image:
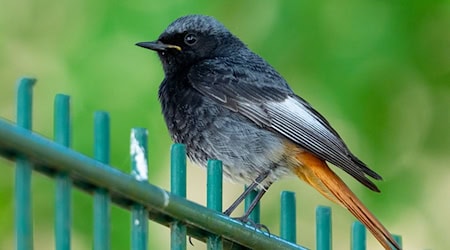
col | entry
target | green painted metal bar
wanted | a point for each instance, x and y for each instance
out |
(25, 102)
(178, 187)
(139, 170)
(358, 241)
(63, 182)
(163, 207)
(214, 198)
(23, 216)
(178, 170)
(101, 195)
(255, 216)
(62, 120)
(288, 221)
(397, 239)
(323, 228)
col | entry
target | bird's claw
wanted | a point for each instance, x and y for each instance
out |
(258, 226)
(190, 240)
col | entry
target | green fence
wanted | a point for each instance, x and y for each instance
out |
(107, 185)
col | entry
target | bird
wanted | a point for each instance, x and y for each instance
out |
(225, 102)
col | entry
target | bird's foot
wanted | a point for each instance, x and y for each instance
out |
(258, 226)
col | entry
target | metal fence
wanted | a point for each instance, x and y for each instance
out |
(107, 185)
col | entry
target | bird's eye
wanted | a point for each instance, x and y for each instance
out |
(190, 39)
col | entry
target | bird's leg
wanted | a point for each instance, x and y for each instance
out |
(252, 186)
(252, 206)
(240, 199)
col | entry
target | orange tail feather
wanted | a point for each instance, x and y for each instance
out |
(317, 173)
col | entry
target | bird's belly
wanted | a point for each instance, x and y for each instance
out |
(245, 149)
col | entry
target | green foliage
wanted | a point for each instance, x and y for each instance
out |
(378, 70)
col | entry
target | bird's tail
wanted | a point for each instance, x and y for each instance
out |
(317, 173)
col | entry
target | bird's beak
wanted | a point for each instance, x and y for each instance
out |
(158, 46)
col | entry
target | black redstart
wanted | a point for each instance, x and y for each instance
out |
(225, 102)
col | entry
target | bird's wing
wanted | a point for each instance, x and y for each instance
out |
(264, 98)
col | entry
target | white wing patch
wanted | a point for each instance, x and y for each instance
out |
(294, 117)
(293, 108)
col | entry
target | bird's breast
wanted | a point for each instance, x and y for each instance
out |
(211, 131)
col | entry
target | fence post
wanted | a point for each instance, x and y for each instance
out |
(255, 215)
(178, 187)
(288, 217)
(323, 228)
(139, 162)
(358, 236)
(101, 195)
(214, 198)
(398, 239)
(63, 181)
(23, 218)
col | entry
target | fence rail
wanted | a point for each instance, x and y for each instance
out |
(33, 152)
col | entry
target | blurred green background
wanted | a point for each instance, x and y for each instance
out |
(378, 70)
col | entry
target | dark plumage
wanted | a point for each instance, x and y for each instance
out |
(219, 76)
(225, 102)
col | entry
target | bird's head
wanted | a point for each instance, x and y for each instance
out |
(190, 39)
